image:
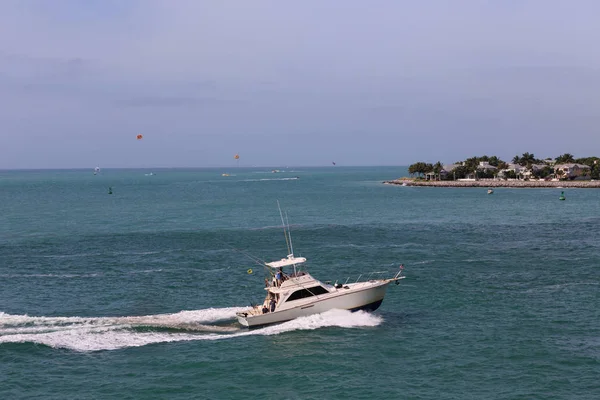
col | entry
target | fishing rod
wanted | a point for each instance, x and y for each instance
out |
(255, 259)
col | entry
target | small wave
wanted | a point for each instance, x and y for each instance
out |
(49, 275)
(369, 246)
(60, 256)
(116, 253)
(423, 262)
(95, 334)
(476, 260)
(136, 253)
(560, 286)
(268, 227)
(146, 271)
(271, 179)
(215, 270)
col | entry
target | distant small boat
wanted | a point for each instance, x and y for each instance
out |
(275, 171)
(562, 196)
(110, 190)
(96, 170)
(490, 191)
(224, 174)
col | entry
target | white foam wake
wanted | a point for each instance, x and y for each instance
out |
(93, 334)
(271, 179)
(184, 319)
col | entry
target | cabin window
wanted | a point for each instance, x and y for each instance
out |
(304, 293)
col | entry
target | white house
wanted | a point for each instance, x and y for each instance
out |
(443, 174)
(516, 168)
(572, 171)
(527, 173)
(485, 166)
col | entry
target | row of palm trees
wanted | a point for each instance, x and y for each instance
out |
(527, 159)
(421, 168)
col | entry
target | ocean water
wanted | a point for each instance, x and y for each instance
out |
(132, 295)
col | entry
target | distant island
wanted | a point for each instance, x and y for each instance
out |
(523, 171)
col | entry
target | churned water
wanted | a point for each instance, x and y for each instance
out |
(132, 295)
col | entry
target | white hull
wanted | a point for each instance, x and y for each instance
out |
(368, 295)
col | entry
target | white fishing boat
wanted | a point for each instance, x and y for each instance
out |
(296, 293)
(490, 191)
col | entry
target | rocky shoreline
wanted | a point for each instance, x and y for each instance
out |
(498, 183)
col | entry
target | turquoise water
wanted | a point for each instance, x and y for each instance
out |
(132, 295)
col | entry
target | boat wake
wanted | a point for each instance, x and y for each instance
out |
(271, 179)
(112, 333)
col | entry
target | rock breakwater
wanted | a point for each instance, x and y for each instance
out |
(497, 183)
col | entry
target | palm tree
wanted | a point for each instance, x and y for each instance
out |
(437, 168)
(528, 158)
(412, 169)
(419, 168)
(565, 158)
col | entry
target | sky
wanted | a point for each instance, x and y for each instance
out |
(295, 83)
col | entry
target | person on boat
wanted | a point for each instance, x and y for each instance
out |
(266, 282)
(265, 309)
(278, 277)
(272, 304)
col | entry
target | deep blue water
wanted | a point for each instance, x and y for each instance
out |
(132, 295)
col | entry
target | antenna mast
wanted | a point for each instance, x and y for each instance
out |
(284, 232)
(289, 232)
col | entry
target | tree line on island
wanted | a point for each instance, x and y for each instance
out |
(538, 168)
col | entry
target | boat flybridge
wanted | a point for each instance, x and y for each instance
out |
(295, 293)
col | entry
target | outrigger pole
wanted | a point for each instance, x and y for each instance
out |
(287, 242)
(288, 234)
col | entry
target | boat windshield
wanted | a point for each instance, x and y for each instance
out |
(309, 292)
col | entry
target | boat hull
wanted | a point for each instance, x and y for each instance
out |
(364, 296)
(368, 307)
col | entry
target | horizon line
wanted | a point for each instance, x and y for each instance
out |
(205, 167)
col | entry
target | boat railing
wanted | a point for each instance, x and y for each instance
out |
(372, 276)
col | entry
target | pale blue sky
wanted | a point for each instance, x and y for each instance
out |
(296, 83)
